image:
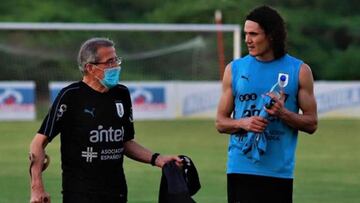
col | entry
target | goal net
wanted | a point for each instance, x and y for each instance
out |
(45, 52)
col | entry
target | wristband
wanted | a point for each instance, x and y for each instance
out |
(153, 158)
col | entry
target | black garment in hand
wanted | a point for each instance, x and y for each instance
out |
(190, 174)
(179, 184)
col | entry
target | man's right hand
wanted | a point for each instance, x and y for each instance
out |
(255, 124)
(39, 196)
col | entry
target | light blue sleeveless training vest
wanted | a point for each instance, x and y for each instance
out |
(251, 79)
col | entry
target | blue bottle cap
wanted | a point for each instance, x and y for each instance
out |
(282, 78)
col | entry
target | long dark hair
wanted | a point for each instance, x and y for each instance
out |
(273, 25)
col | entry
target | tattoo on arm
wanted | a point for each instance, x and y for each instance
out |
(32, 158)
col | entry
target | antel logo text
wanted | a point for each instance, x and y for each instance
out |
(106, 135)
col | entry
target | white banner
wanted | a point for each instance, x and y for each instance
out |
(169, 100)
(338, 99)
(153, 100)
(198, 99)
(17, 100)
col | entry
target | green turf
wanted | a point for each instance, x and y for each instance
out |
(328, 162)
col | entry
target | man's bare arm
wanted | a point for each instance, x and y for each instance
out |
(224, 123)
(37, 157)
(139, 153)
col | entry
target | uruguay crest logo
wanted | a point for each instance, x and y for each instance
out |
(119, 108)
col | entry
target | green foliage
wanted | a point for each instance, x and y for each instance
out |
(324, 33)
(47, 11)
(347, 61)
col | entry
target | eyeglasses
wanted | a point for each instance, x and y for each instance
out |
(111, 62)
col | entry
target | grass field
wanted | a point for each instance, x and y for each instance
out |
(327, 170)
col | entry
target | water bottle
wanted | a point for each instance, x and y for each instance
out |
(255, 143)
(276, 90)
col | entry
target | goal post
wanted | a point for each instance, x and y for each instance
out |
(235, 29)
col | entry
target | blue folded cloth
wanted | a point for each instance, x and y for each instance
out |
(255, 144)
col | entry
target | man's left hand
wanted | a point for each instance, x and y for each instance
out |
(278, 107)
(162, 160)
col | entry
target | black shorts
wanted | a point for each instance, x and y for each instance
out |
(258, 189)
(73, 197)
